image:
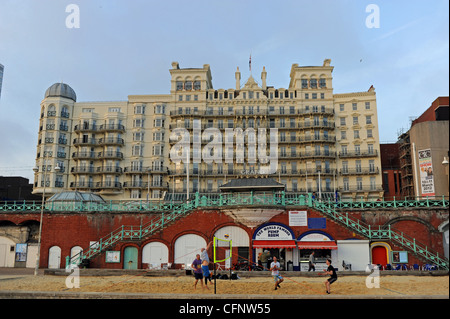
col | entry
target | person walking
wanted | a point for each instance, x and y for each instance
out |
(274, 267)
(264, 259)
(312, 262)
(333, 276)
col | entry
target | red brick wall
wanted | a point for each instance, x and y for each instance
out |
(67, 230)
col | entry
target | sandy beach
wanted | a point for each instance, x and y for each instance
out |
(346, 285)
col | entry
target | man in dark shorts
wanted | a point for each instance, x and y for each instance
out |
(333, 276)
(197, 266)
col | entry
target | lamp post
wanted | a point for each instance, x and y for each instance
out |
(38, 255)
(319, 168)
(445, 163)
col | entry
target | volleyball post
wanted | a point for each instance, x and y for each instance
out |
(220, 243)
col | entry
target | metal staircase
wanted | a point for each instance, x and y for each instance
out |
(334, 210)
(380, 233)
(130, 233)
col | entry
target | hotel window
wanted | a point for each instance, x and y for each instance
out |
(344, 149)
(359, 185)
(322, 95)
(343, 135)
(158, 150)
(367, 105)
(358, 166)
(158, 123)
(346, 184)
(157, 136)
(139, 109)
(159, 109)
(368, 119)
(356, 134)
(354, 106)
(313, 83)
(293, 136)
(136, 150)
(292, 123)
(294, 185)
(322, 83)
(180, 97)
(304, 83)
(306, 96)
(314, 96)
(291, 109)
(138, 136)
(344, 167)
(179, 85)
(138, 123)
(341, 107)
(114, 109)
(355, 120)
(197, 85)
(188, 97)
(342, 121)
(370, 148)
(372, 166)
(282, 122)
(293, 152)
(188, 85)
(357, 149)
(282, 137)
(372, 183)
(369, 133)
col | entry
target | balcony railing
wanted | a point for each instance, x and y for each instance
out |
(366, 153)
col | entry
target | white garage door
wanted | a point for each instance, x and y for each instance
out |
(186, 247)
(238, 236)
(54, 257)
(155, 253)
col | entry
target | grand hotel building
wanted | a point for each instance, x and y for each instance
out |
(327, 142)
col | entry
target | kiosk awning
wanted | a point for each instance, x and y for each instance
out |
(317, 245)
(274, 244)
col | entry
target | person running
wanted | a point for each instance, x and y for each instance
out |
(197, 266)
(333, 276)
(274, 267)
(205, 263)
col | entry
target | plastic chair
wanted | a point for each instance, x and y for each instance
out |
(388, 267)
(415, 267)
(398, 267)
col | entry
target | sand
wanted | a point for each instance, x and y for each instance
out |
(346, 285)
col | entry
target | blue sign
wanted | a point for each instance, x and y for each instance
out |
(317, 223)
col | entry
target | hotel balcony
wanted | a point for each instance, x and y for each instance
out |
(348, 154)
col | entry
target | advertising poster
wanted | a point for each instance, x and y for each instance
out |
(21, 252)
(426, 173)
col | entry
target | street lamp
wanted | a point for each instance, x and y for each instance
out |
(319, 168)
(38, 255)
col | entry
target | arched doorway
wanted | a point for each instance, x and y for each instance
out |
(130, 258)
(380, 253)
(155, 254)
(54, 257)
(186, 247)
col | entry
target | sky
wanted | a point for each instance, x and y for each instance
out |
(126, 47)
